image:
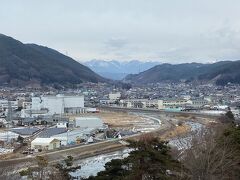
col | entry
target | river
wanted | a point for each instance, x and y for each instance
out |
(91, 166)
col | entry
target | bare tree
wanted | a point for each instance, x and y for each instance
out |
(210, 155)
(9, 175)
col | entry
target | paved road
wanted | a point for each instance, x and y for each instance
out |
(89, 150)
(61, 154)
(82, 151)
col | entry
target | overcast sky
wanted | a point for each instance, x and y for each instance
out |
(161, 30)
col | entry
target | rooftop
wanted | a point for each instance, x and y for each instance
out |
(47, 133)
(25, 131)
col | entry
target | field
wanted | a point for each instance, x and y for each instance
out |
(119, 119)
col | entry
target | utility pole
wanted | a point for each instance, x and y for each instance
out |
(9, 114)
(62, 112)
(9, 117)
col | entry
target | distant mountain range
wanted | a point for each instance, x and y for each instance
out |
(117, 70)
(21, 64)
(25, 63)
(220, 73)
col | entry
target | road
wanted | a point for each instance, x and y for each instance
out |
(83, 151)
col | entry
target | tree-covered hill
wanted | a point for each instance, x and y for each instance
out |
(220, 72)
(21, 63)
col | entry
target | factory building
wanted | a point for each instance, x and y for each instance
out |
(50, 105)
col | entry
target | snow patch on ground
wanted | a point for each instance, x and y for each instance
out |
(185, 142)
(91, 166)
(5, 151)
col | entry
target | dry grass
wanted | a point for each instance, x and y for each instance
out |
(117, 119)
(177, 131)
(10, 156)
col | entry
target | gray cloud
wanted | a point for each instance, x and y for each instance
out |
(116, 43)
(169, 31)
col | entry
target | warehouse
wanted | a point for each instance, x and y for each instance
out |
(88, 122)
(45, 144)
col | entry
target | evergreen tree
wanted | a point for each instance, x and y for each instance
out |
(150, 159)
(230, 115)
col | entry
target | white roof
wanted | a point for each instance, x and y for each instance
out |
(43, 140)
(88, 122)
(8, 135)
(3, 120)
(75, 133)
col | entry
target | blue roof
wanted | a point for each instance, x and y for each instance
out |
(25, 131)
(47, 133)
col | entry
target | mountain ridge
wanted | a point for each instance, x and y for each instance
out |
(220, 72)
(21, 63)
(117, 70)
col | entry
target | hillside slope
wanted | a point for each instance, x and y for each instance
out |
(220, 72)
(21, 63)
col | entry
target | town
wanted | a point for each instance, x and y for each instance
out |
(33, 120)
(120, 90)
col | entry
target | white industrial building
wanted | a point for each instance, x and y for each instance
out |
(8, 136)
(172, 103)
(4, 104)
(50, 105)
(62, 125)
(114, 96)
(164, 104)
(139, 103)
(45, 144)
(198, 103)
(155, 103)
(88, 122)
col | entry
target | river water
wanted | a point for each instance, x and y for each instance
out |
(91, 166)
